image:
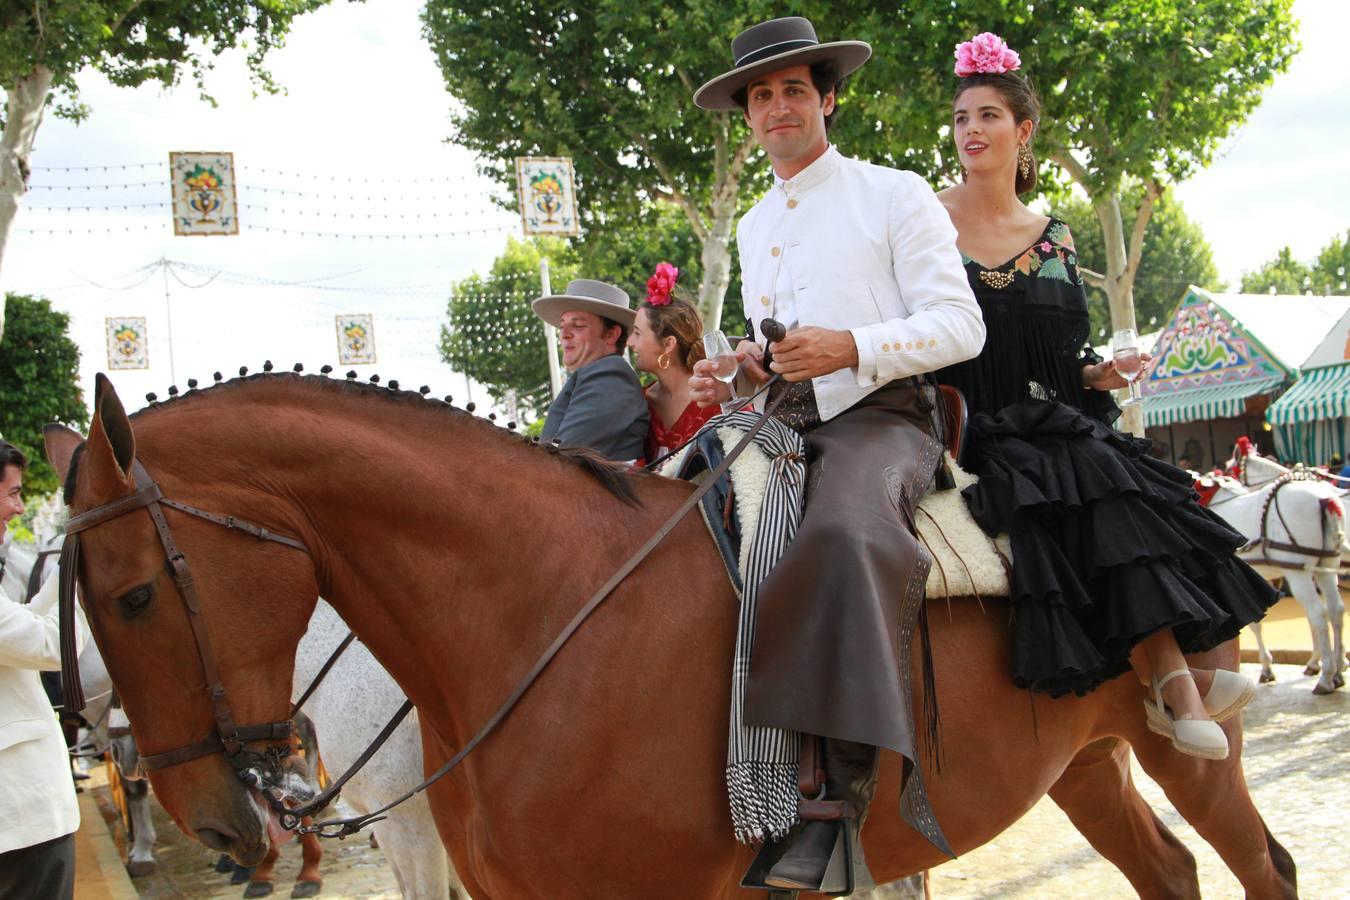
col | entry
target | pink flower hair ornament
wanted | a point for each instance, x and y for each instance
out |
(661, 284)
(986, 54)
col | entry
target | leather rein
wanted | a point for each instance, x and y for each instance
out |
(229, 738)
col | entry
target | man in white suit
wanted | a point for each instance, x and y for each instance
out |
(38, 810)
(859, 262)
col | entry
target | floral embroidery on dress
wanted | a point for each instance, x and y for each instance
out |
(1051, 257)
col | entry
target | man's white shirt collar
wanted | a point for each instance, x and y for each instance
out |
(812, 175)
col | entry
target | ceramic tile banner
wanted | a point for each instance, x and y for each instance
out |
(546, 190)
(203, 193)
(127, 345)
(356, 339)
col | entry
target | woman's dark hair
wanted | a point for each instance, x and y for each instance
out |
(12, 456)
(1021, 98)
(678, 319)
(824, 77)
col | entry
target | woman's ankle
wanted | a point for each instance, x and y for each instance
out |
(1183, 697)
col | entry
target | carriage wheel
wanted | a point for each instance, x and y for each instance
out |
(118, 793)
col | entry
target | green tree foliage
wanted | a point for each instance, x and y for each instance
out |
(132, 42)
(1329, 273)
(1281, 275)
(1178, 256)
(494, 337)
(1138, 89)
(39, 383)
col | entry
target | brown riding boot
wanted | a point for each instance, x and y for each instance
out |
(850, 784)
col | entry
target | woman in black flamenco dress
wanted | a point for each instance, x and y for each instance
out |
(1115, 563)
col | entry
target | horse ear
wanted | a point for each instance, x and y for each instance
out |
(61, 443)
(111, 448)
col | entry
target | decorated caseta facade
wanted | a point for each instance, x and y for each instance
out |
(1222, 360)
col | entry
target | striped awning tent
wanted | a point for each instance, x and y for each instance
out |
(1312, 419)
(1220, 401)
(1319, 394)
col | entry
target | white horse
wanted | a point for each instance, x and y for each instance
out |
(349, 707)
(1295, 526)
(110, 732)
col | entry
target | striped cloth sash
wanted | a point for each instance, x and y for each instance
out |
(769, 482)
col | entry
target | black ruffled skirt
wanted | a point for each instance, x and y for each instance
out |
(1109, 546)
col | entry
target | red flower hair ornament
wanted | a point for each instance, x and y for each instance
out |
(661, 284)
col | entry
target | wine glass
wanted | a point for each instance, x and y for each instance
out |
(718, 349)
(1129, 363)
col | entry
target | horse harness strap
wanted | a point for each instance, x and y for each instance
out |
(1264, 542)
(291, 818)
(323, 673)
(229, 737)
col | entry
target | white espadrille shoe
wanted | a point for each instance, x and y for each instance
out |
(1194, 737)
(1228, 694)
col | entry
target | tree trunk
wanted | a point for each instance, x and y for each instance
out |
(714, 229)
(717, 255)
(23, 115)
(1119, 287)
(1122, 255)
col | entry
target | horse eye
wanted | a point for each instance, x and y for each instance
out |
(134, 601)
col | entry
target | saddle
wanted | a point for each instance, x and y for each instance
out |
(706, 452)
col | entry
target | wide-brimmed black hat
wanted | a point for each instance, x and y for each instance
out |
(773, 45)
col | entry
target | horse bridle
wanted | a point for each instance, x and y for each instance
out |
(229, 738)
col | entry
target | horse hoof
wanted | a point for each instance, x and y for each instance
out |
(307, 889)
(1312, 670)
(139, 868)
(241, 874)
(224, 864)
(258, 889)
(1338, 681)
(1321, 689)
(1267, 677)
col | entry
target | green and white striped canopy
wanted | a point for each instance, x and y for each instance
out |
(1220, 401)
(1319, 394)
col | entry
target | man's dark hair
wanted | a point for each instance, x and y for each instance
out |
(12, 456)
(824, 77)
(607, 324)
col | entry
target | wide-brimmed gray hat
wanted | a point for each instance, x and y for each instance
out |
(585, 295)
(773, 45)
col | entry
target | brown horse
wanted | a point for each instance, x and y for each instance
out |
(457, 551)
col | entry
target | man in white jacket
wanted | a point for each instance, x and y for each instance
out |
(38, 810)
(859, 262)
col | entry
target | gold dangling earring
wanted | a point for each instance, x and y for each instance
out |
(1024, 161)
(663, 361)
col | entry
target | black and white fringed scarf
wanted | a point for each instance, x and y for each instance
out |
(770, 490)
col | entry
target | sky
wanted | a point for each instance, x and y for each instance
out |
(366, 116)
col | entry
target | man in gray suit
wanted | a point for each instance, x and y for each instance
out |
(601, 406)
